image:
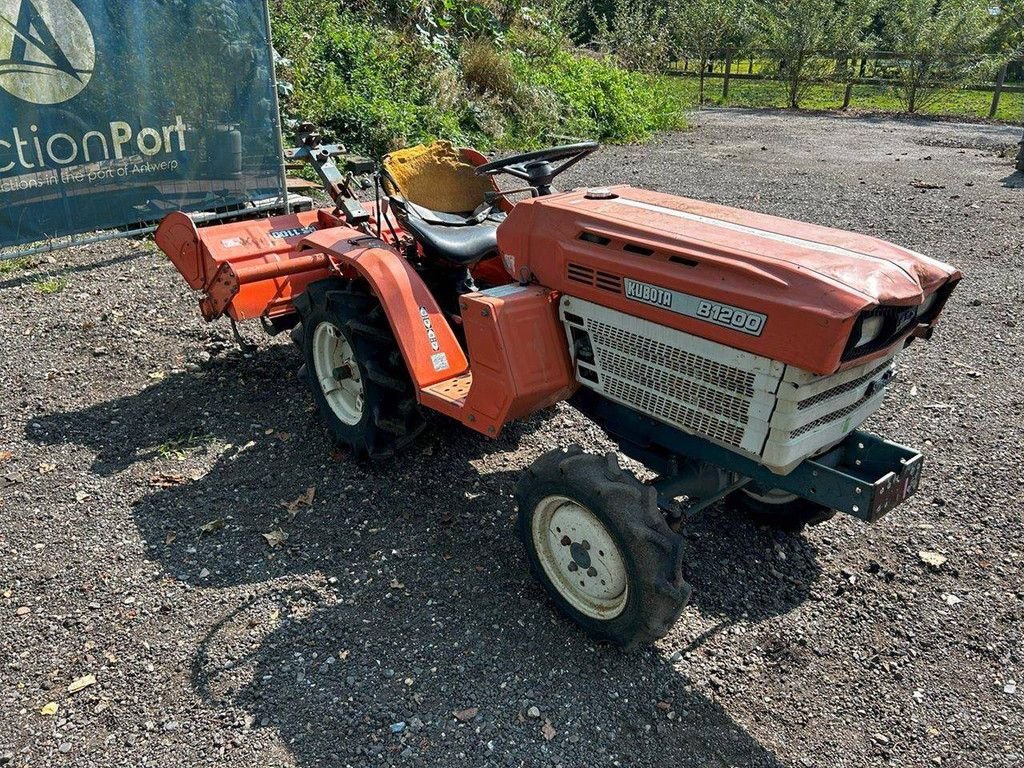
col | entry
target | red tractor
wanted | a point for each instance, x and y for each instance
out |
(733, 354)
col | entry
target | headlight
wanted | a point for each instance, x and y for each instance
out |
(870, 329)
(927, 305)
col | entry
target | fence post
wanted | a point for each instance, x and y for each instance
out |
(999, 89)
(849, 65)
(728, 71)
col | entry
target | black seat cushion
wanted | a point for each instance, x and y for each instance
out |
(463, 246)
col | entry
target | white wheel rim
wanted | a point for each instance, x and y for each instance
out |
(580, 557)
(338, 373)
(776, 496)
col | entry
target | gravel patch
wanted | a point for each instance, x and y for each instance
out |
(143, 458)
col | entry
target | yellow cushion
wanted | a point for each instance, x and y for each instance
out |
(437, 176)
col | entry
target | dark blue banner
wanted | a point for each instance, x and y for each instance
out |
(115, 112)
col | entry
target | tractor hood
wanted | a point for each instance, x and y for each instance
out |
(879, 271)
(804, 280)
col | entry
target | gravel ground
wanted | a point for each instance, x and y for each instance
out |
(143, 458)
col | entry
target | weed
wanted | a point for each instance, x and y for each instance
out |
(10, 266)
(377, 88)
(149, 244)
(178, 448)
(484, 69)
(51, 285)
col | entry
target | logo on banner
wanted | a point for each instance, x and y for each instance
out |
(47, 52)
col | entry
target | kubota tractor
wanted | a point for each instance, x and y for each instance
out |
(734, 354)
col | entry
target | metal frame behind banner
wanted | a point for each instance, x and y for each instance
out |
(277, 106)
(283, 202)
(268, 207)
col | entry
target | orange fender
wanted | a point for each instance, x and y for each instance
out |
(430, 349)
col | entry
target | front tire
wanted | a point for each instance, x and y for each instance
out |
(598, 543)
(354, 369)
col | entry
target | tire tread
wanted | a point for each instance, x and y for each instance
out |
(395, 419)
(654, 549)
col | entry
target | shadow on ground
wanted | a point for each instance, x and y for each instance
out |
(401, 595)
(67, 270)
(1014, 181)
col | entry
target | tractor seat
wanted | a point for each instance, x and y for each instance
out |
(463, 246)
(439, 199)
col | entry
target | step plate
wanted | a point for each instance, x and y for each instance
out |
(454, 390)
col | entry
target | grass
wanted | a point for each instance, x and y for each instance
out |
(179, 447)
(51, 285)
(866, 98)
(148, 243)
(11, 266)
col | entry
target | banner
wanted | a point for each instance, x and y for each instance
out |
(115, 112)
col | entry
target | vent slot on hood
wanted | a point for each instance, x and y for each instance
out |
(580, 274)
(643, 251)
(590, 237)
(640, 250)
(595, 279)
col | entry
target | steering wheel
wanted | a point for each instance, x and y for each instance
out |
(538, 168)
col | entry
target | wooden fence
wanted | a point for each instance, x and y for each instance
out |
(874, 68)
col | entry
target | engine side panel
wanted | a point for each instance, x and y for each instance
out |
(519, 358)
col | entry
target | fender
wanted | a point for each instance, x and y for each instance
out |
(430, 349)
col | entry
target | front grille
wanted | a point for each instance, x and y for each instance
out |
(770, 412)
(842, 389)
(679, 386)
(673, 358)
(674, 412)
(714, 401)
(842, 413)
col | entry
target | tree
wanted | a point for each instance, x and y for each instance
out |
(1008, 35)
(1007, 39)
(635, 32)
(938, 43)
(797, 30)
(703, 27)
(850, 36)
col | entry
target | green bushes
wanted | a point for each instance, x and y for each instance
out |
(360, 82)
(603, 102)
(376, 86)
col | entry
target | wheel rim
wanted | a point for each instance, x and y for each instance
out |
(580, 557)
(774, 497)
(338, 373)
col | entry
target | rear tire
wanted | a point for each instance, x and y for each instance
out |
(598, 543)
(355, 370)
(776, 509)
